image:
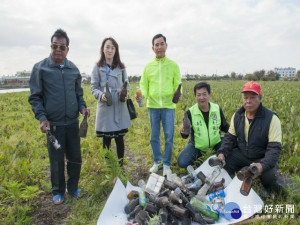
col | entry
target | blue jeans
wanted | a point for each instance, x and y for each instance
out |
(190, 154)
(166, 116)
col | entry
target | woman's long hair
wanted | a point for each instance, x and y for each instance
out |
(116, 61)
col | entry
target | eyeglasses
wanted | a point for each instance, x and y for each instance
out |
(61, 47)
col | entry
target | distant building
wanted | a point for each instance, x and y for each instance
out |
(288, 72)
(23, 73)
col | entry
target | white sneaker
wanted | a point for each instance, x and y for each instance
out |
(167, 170)
(156, 167)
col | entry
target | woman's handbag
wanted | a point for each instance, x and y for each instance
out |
(131, 109)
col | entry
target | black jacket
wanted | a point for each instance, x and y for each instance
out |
(56, 94)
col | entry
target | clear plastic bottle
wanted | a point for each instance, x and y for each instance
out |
(213, 195)
(208, 182)
(192, 172)
(142, 196)
(139, 97)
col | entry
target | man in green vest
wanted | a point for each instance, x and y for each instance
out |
(207, 120)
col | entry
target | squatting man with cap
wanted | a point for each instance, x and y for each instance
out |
(253, 139)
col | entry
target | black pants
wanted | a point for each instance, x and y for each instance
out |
(236, 160)
(120, 146)
(69, 140)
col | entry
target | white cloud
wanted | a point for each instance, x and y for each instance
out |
(204, 37)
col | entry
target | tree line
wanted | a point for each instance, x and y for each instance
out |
(256, 76)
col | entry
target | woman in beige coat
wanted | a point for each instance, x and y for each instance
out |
(111, 121)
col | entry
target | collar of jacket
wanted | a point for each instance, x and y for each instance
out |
(160, 59)
(52, 63)
(199, 111)
(259, 113)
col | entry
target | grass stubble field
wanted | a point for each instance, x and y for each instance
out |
(25, 189)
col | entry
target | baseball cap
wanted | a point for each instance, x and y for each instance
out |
(252, 86)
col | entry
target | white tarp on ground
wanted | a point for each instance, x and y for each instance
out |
(113, 211)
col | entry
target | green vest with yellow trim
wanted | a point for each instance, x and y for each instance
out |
(206, 137)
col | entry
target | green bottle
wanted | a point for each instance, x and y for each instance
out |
(196, 203)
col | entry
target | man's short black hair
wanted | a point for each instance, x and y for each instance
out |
(202, 85)
(158, 36)
(60, 33)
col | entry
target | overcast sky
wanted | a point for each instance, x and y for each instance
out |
(203, 36)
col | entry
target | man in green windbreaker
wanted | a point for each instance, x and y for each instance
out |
(159, 81)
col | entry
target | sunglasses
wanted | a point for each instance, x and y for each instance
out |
(61, 47)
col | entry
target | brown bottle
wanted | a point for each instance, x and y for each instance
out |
(83, 126)
(53, 140)
(186, 124)
(215, 161)
(159, 201)
(201, 176)
(131, 205)
(108, 95)
(177, 211)
(133, 194)
(162, 202)
(174, 198)
(246, 171)
(169, 184)
(123, 93)
(177, 94)
(246, 186)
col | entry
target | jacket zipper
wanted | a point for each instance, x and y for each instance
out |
(159, 68)
(63, 78)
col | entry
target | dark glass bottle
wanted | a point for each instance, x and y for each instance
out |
(150, 208)
(178, 211)
(215, 161)
(161, 202)
(186, 220)
(108, 95)
(123, 93)
(83, 126)
(163, 213)
(53, 140)
(177, 94)
(174, 198)
(141, 218)
(186, 124)
(169, 184)
(131, 205)
(134, 212)
(247, 171)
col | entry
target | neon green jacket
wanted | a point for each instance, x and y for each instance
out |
(159, 81)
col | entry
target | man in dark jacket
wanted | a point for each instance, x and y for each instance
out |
(56, 98)
(207, 120)
(253, 139)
